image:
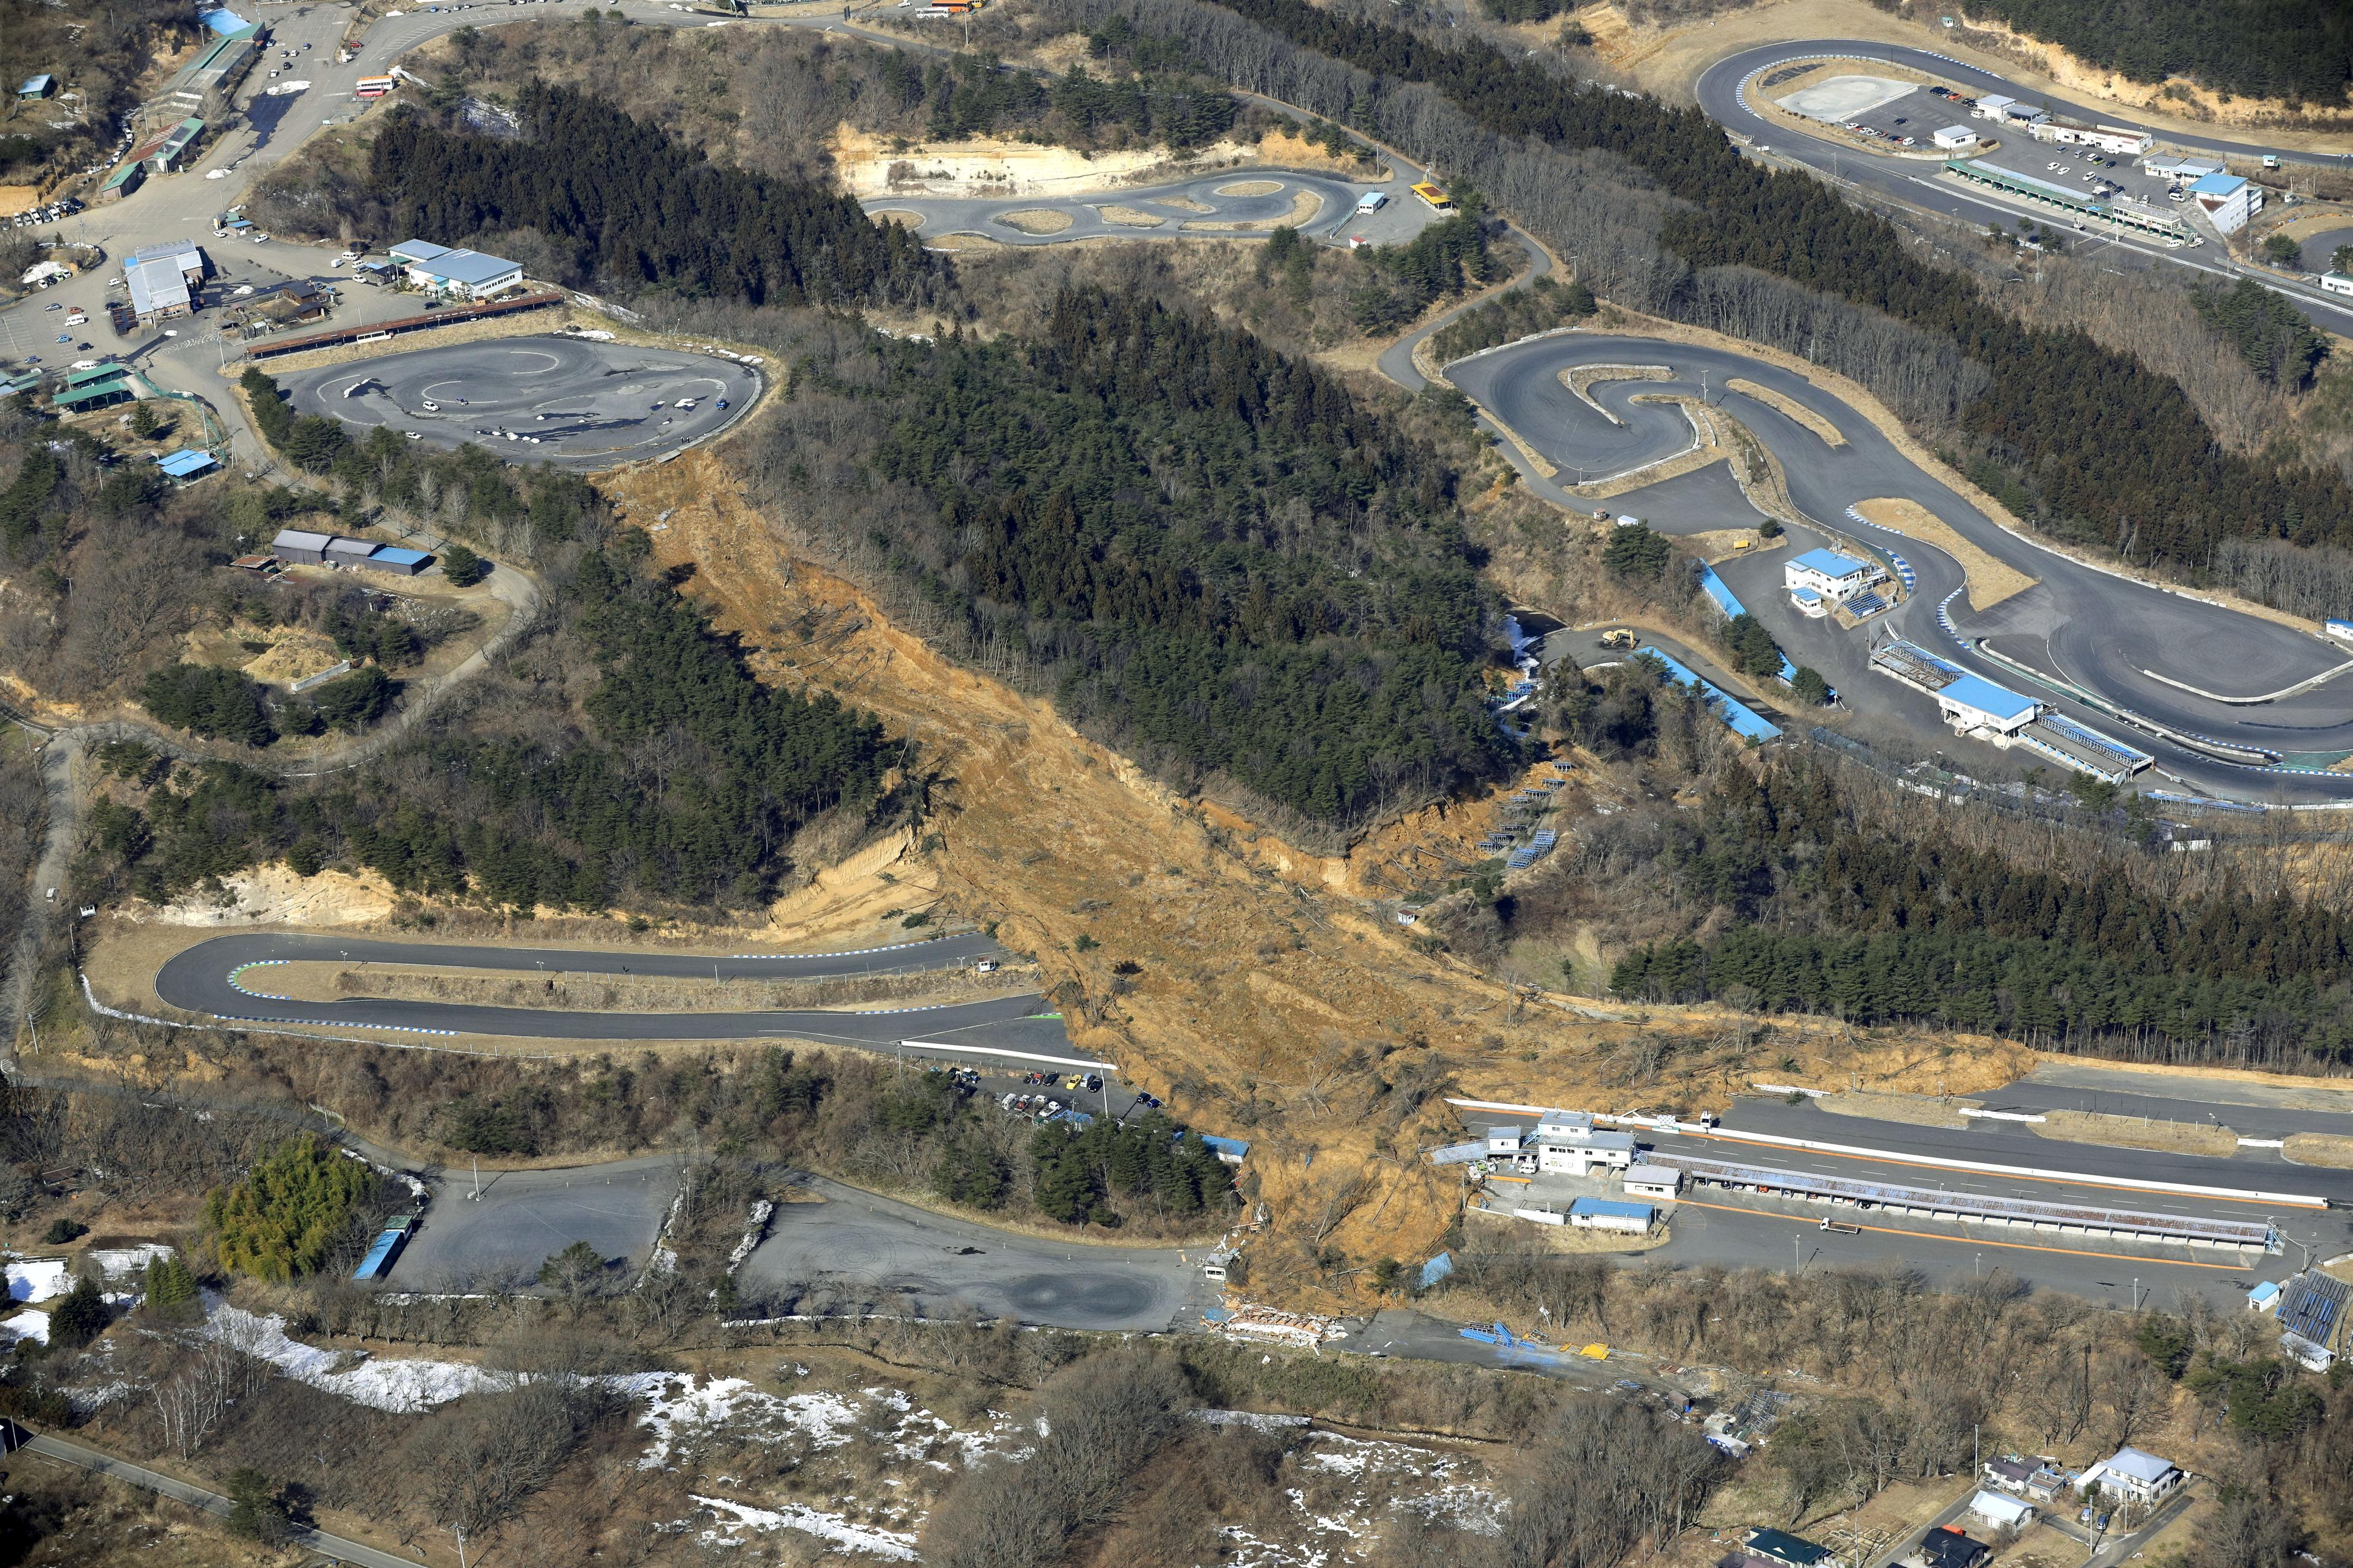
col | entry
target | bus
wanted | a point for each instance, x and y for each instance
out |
(373, 87)
(1434, 198)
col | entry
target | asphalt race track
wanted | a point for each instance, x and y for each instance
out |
(571, 402)
(228, 978)
(1187, 209)
(2116, 639)
(1723, 86)
(856, 1251)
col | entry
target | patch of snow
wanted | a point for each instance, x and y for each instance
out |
(1249, 1418)
(38, 1279)
(679, 1403)
(897, 1545)
(401, 1387)
(127, 1262)
(28, 1324)
(1246, 1551)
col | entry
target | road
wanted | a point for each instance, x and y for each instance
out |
(218, 978)
(1186, 209)
(1723, 86)
(332, 1547)
(2136, 646)
(855, 1250)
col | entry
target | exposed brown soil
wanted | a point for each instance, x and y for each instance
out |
(2134, 1132)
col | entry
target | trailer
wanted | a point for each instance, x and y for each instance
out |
(387, 1249)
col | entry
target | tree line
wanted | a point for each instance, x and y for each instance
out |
(2300, 51)
(1826, 919)
(645, 211)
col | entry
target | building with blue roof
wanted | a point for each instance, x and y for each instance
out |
(188, 463)
(1971, 702)
(1829, 575)
(2230, 200)
(37, 86)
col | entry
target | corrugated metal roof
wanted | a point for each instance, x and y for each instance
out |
(1972, 691)
(1617, 1208)
(395, 555)
(181, 464)
(2141, 1464)
(156, 286)
(417, 250)
(1829, 563)
(301, 538)
(358, 549)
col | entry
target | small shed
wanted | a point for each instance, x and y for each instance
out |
(350, 551)
(1503, 1140)
(402, 561)
(300, 544)
(1654, 1182)
(1232, 1150)
(188, 463)
(1611, 1213)
(37, 87)
(1954, 138)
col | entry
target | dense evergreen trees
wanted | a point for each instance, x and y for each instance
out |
(1225, 560)
(208, 701)
(2270, 333)
(1446, 258)
(2298, 50)
(1828, 920)
(645, 211)
(1079, 1169)
(693, 778)
(285, 1218)
(2147, 466)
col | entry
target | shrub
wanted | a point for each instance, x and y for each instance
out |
(81, 1317)
(462, 567)
(354, 702)
(62, 1230)
(1636, 551)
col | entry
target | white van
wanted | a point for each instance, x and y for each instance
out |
(685, 404)
(1371, 202)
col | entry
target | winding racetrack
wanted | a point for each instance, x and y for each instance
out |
(1205, 211)
(567, 401)
(2105, 634)
(228, 978)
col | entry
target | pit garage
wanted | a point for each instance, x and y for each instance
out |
(572, 402)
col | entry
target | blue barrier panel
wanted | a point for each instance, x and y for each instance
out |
(1737, 717)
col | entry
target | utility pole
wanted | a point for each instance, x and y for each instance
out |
(478, 1178)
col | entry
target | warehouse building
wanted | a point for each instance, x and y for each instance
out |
(301, 545)
(2230, 200)
(2172, 166)
(207, 84)
(158, 292)
(1611, 1213)
(455, 274)
(120, 184)
(2107, 137)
